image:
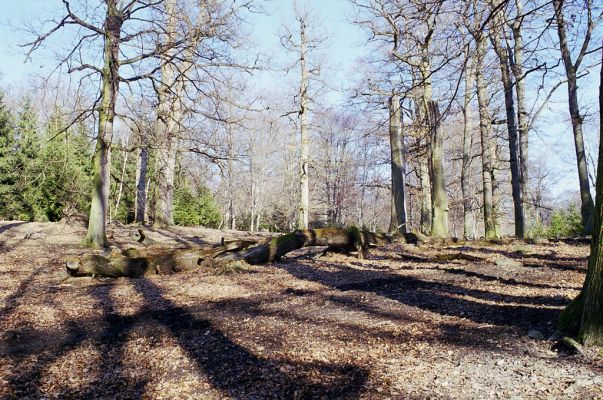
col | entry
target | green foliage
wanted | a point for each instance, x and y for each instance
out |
(195, 208)
(565, 223)
(43, 171)
(8, 174)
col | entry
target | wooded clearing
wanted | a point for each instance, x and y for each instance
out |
(406, 321)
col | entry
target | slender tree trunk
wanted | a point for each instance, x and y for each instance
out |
(513, 135)
(522, 115)
(304, 189)
(396, 141)
(468, 232)
(587, 208)
(141, 182)
(484, 128)
(425, 196)
(97, 222)
(591, 327)
(439, 200)
(120, 188)
(231, 222)
(496, 192)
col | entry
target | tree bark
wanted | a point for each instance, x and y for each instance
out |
(139, 262)
(439, 200)
(167, 121)
(587, 207)
(425, 223)
(141, 182)
(468, 232)
(97, 222)
(584, 315)
(120, 187)
(522, 115)
(398, 176)
(591, 327)
(304, 201)
(484, 128)
(505, 74)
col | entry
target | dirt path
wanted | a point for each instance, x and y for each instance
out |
(390, 326)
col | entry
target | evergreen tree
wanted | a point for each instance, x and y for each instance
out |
(8, 175)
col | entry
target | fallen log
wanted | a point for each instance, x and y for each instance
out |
(139, 262)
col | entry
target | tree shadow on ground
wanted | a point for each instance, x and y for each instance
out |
(230, 367)
(439, 297)
(505, 281)
(553, 260)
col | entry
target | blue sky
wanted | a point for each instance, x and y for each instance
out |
(553, 143)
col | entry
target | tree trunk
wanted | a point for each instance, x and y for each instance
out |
(522, 116)
(167, 121)
(425, 197)
(97, 222)
(120, 188)
(141, 182)
(591, 327)
(439, 200)
(398, 176)
(304, 203)
(513, 134)
(587, 208)
(139, 262)
(484, 128)
(468, 232)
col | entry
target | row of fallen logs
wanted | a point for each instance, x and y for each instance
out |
(139, 262)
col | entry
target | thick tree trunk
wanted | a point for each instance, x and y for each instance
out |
(167, 122)
(97, 222)
(522, 116)
(484, 128)
(439, 200)
(513, 134)
(591, 327)
(587, 208)
(398, 176)
(468, 232)
(139, 262)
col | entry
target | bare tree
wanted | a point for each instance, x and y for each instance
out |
(112, 33)
(303, 43)
(571, 70)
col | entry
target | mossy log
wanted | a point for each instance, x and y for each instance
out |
(139, 262)
(134, 263)
(339, 240)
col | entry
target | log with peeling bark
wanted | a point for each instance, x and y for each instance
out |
(135, 263)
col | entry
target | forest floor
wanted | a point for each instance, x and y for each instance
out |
(398, 324)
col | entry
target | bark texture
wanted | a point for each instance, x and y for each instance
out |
(467, 145)
(167, 122)
(97, 222)
(522, 115)
(439, 200)
(591, 327)
(398, 176)
(136, 263)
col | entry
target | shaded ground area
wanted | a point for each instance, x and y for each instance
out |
(395, 325)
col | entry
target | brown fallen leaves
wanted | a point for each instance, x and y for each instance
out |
(406, 322)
